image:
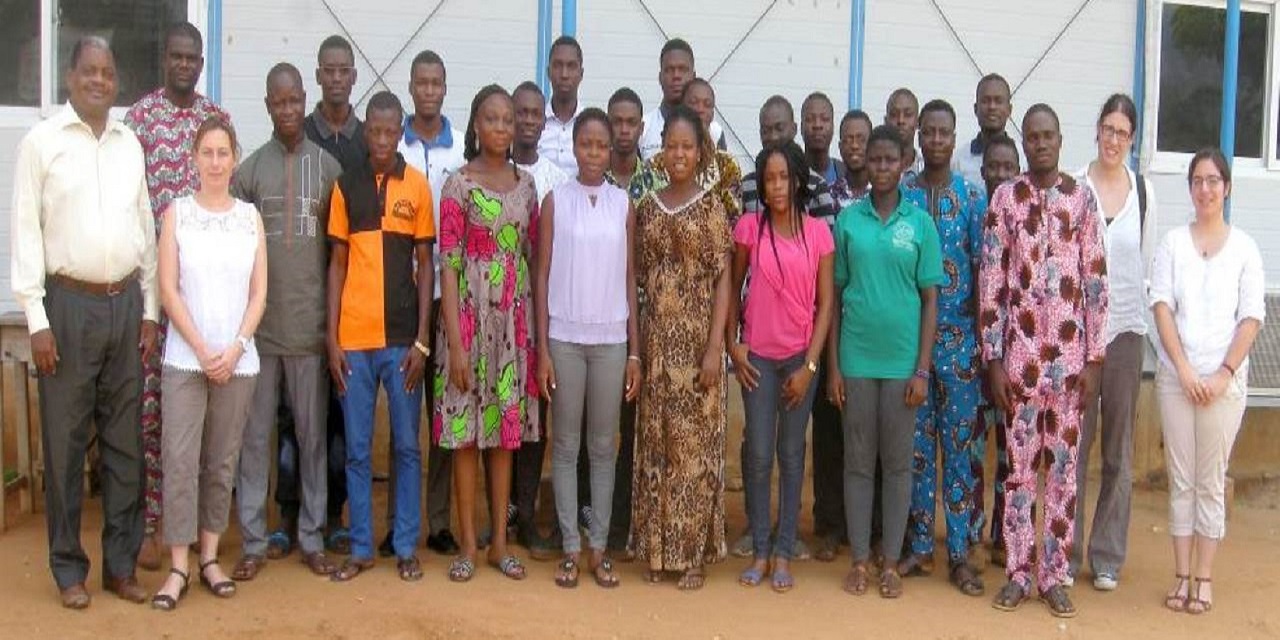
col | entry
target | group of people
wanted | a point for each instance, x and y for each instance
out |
(562, 273)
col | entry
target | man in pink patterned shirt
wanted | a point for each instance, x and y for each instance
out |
(1043, 312)
(165, 121)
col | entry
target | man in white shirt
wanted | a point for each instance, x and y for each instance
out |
(564, 68)
(675, 70)
(526, 146)
(433, 146)
(83, 270)
(992, 106)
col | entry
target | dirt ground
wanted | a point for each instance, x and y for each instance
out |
(286, 601)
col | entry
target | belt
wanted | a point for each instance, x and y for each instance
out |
(107, 289)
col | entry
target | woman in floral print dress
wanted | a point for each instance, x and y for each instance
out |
(485, 392)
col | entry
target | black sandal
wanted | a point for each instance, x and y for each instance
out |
(224, 589)
(692, 580)
(163, 602)
(1059, 602)
(1011, 596)
(409, 569)
(608, 579)
(567, 573)
(965, 577)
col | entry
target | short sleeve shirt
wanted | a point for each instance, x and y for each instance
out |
(381, 218)
(881, 266)
(781, 299)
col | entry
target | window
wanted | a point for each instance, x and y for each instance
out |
(1190, 78)
(135, 29)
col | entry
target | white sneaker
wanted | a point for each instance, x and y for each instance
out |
(1069, 581)
(1105, 582)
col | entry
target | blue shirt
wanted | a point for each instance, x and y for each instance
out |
(958, 209)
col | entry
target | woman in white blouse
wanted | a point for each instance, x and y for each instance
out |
(1128, 209)
(213, 285)
(1208, 298)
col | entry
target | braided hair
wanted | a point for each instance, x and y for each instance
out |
(799, 194)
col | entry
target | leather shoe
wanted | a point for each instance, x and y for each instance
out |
(442, 543)
(75, 596)
(127, 588)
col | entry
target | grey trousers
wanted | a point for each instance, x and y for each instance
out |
(878, 424)
(98, 382)
(199, 450)
(306, 380)
(589, 376)
(1109, 537)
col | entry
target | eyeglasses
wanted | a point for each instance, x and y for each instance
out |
(1213, 182)
(1108, 132)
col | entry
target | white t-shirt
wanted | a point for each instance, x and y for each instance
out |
(651, 140)
(437, 161)
(1208, 296)
(546, 175)
(556, 143)
(1130, 245)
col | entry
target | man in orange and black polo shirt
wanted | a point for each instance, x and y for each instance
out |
(380, 286)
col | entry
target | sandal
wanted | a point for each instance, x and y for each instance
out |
(654, 576)
(915, 566)
(409, 569)
(890, 584)
(965, 577)
(224, 589)
(462, 569)
(351, 568)
(163, 602)
(692, 580)
(278, 545)
(828, 547)
(752, 576)
(857, 580)
(319, 563)
(338, 541)
(567, 573)
(1197, 605)
(510, 566)
(608, 579)
(1011, 596)
(782, 580)
(1059, 602)
(248, 567)
(1175, 602)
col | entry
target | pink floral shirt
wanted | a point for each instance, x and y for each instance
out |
(1043, 283)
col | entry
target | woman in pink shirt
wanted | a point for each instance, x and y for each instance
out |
(788, 312)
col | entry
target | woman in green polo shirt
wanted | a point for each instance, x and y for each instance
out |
(888, 261)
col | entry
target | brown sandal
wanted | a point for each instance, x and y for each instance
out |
(409, 569)
(857, 579)
(1010, 597)
(965, 577)
(890, 584)
(319, 563)
(604, 574)
(350, 569)
(1195, 604)
(1175, 602)
(247, 567)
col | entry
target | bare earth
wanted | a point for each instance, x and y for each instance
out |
(286, 601)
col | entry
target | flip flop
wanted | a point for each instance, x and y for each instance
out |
(609, 579)
(462, 569)
(510, 566)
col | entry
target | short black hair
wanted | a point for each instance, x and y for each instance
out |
(1214, 155)
(994, 77)
(336, 42)
(89, 42)
(1122, 104)
(887, 133)
(700, 82)
(591, 114)
(528, 85)
(427, 56)
(283, 69)
(689, 116)
(626, 94)
(857, 114)
(384, 101)
(939, 105)
(1000, 140)
(776, 100)
(818, 96)
(565, 41)
(675, 44)
(899, 92)
(1041, 107)
(183, 29)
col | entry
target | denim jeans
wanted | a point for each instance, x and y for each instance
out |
(772, 429)
(368, 370)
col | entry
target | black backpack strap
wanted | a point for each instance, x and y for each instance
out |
(1142, 204)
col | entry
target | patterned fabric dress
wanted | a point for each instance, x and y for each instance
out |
(166, 132)
(486, 240)
(678, 491)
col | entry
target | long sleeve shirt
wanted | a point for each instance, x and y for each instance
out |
(80, 210)
(1043, 283)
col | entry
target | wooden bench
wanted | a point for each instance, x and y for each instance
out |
(20, 460)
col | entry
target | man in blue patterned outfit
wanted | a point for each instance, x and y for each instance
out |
(949, 416)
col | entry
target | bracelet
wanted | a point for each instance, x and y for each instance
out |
(923, 374)
(1229, 368)
(636, 358)
(417, 344)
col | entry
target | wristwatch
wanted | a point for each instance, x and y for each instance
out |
(811, 366)
(244, 342)
(424, 349)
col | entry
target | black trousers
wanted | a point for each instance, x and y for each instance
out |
(828, 468)
(97, 385)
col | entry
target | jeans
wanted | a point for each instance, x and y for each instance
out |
(368, 370)
(773, 429)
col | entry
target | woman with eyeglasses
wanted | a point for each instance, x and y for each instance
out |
(1128, 209)
(1207, 294)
